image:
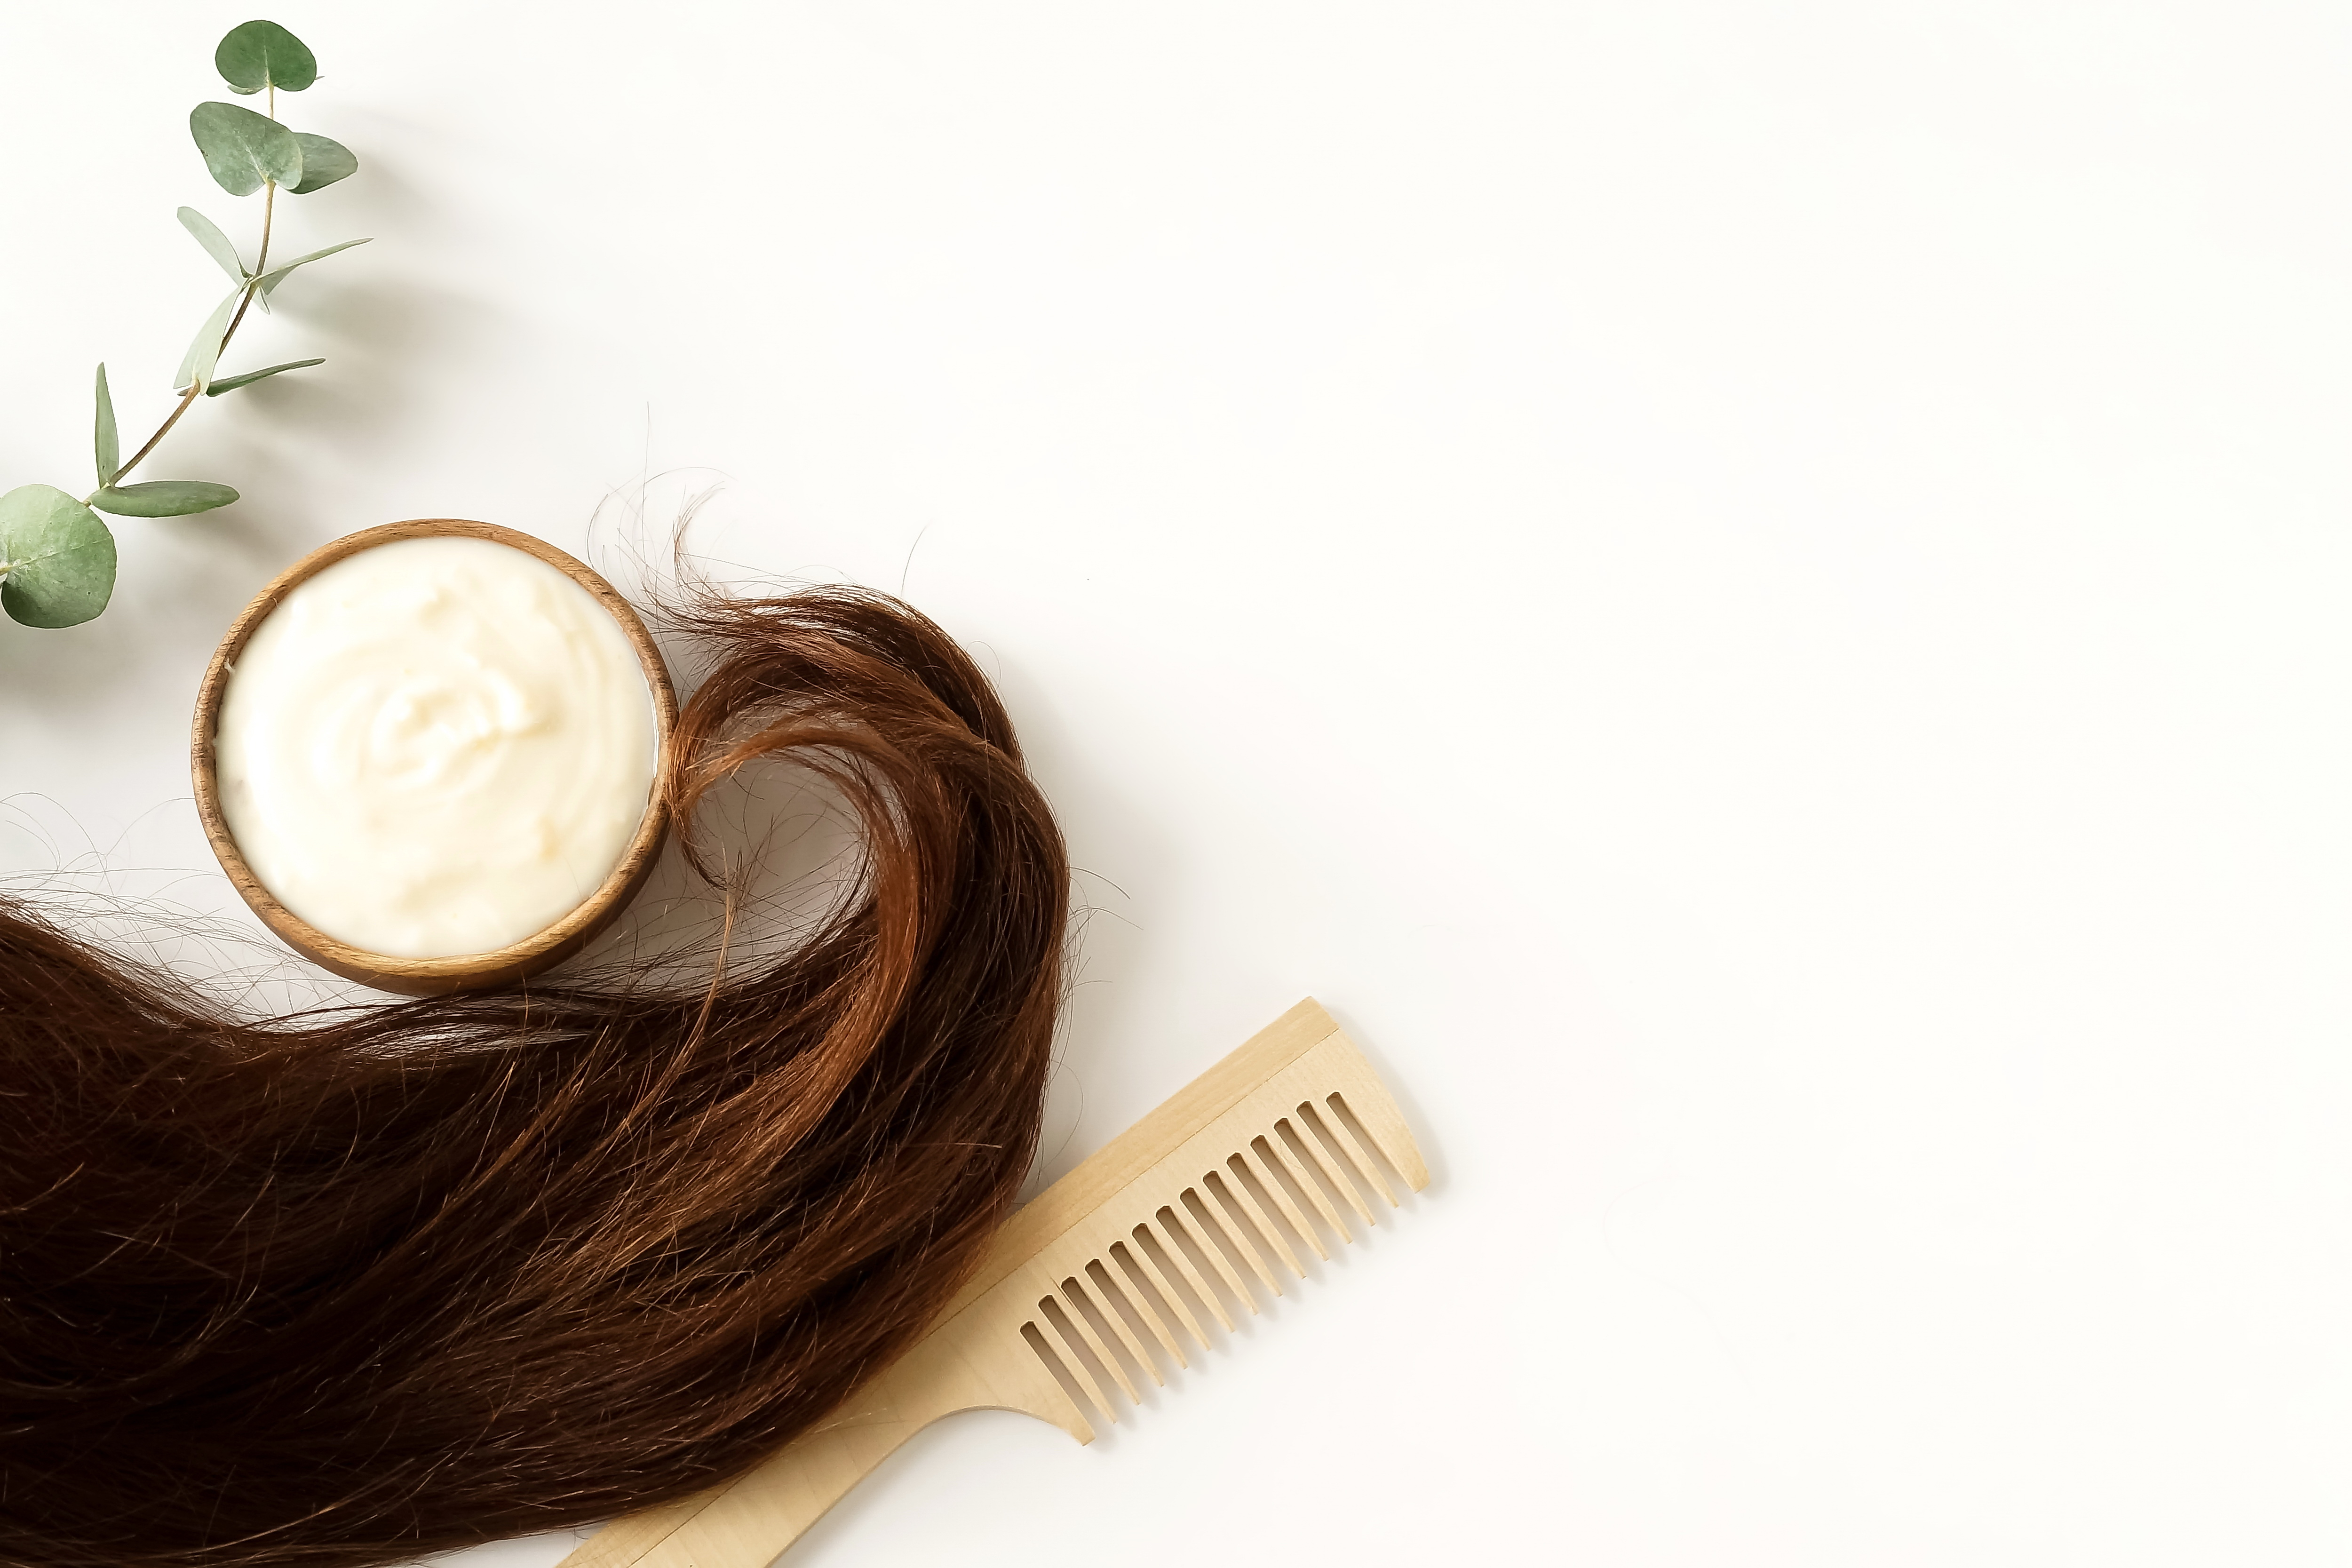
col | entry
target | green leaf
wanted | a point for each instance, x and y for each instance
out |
(242, 149)
(57, 558)
(163, 498)
(103, 437)
(231, 382)
(215, 242)
(204, 352)
(324, 160)
(276, 275)
(263, 54)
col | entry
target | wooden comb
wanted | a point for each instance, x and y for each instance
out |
(1218, 1180)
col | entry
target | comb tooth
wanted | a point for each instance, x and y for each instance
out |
(1312, 1147)
(1226, 1229)
(1254, 1163)
(1360, 1148)
(1067, 1370)
(1065, 1348)
(1376, 1124)
(1188, 1206)
(1076, 1330)
(1160, 1281)
(1278, 1156)
(1335, 1132)
(1163, 1241)
(1104, 1299)
(1374, 1112)
(1256, 1214)
(1108, 1287)
(1141, 1291)
(1078, 1318)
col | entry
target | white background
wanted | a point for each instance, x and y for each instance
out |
(1755, 597)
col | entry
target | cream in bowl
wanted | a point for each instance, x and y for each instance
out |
(428, 754)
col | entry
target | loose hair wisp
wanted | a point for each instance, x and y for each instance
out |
(354, 1287)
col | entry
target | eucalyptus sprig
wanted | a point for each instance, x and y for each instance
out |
(57, 558)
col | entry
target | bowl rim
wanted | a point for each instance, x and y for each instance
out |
(464, 972)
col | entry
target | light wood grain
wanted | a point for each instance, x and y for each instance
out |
(1295, 1114)
(432, 977)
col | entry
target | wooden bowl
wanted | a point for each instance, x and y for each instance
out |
(434, 976)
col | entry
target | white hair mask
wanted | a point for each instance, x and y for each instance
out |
(436, 747)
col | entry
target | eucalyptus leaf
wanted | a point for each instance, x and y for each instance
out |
(231, 382)
(204, 352)
(163, 498)
(103, 438)
(263, 54)
(57, 558)
(215, 242)
(276, 275)
(245, 150)
(324, 160)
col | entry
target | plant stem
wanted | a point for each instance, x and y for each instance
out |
(260, 265)
(268, 206)
(187, 398)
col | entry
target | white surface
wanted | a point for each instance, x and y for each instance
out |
(1755, 597)
(436, 747)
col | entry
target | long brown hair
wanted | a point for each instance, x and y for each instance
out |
(372, 1282)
